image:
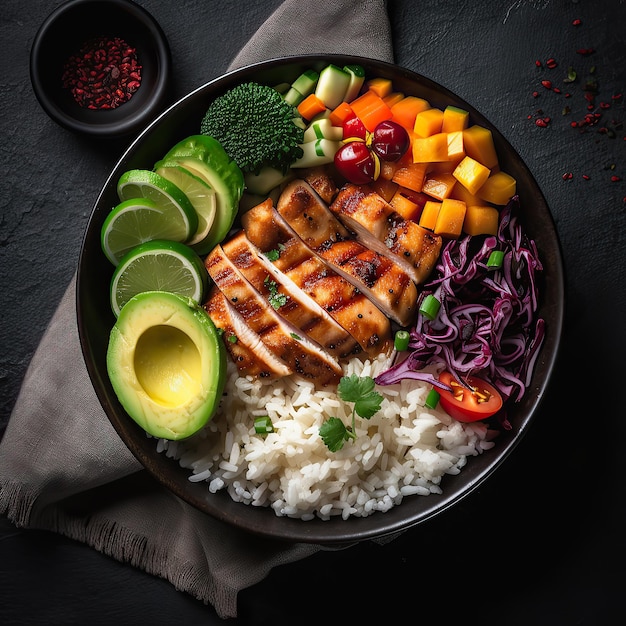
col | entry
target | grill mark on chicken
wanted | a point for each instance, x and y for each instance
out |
(267, 230)
(384, 281)
(379, 227)
(296, 306)
(245, 347)
(300, 354)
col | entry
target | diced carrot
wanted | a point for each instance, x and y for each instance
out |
(499, 188)
(411, 176)
(454, 119)
(439, 186)
(481, 220)
(311, 106)
(393, 98)
(382, 86)
(385, 188)
(479, 145)
(471, 174)
(405, 111)
(430, 149)
(371, 109)
(428, 122)
(408, 209)
(450, 218)
(340, 114)
(428, 218)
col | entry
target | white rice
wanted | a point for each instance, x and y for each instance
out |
(403, 450)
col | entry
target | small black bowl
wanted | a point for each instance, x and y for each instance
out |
(66, 30)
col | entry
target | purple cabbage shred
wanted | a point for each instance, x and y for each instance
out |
(486, 325)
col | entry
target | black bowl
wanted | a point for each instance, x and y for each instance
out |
(95, 319)
(65, 31)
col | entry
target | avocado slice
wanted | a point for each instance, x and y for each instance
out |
(167, 364)
(205, 158)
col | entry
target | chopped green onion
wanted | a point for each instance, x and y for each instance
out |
(432, 399)
(430, 307)
(263, 425)
(495, 259)
(401, 340)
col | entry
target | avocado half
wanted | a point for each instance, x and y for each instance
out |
(167, 364)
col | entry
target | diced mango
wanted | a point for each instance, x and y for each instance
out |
(460, 193)
(454, 119)
(481, 220)
(450, 218)
(479, 145)
(428, 122)
(471, 174)
(456, 150)
(393, 98)
(405, 111)
(411, 176)
(408, 209)
(438, 185)
(499, 188)
(382, 86)
(430, 149)
(428, 218)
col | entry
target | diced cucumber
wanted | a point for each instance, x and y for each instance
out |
(357, 78)
(323, 129)
(293, 97)
(305, 83)
(318, 152)
(332, 85)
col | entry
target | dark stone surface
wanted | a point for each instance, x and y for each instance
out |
(542, 541)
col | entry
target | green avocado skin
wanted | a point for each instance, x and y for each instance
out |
(167, 364)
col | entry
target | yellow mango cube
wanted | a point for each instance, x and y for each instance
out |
(460, 193)
(430, 149)
(479, 145)
(499, 188)
(456, 149)
(450, 218)
(481, 220)
(454, 119)
(428, 218)
(438, 185)
(471, 174)
(428, 122)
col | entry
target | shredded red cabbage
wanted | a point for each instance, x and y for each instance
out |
(486, 325)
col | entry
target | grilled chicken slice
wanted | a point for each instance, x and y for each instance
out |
(345, 303)
(245, 347)
(383, 280)
(287, 298)
(322, 182)
(302, 355)
(381, 228)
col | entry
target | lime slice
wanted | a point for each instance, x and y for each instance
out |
(139, 220)
(202, 197)
(158, 266)
(164, 193)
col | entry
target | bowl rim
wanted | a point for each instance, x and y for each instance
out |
(265, 523)
(117, 124)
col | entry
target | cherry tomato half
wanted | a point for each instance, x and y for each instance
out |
(356, 163)
(469, 406)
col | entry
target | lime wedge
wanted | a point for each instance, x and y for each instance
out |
(202, 197)
(164, 193)
(158, 266)
(139, 220)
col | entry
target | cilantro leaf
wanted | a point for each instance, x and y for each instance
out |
(334, 433)
(367, 402)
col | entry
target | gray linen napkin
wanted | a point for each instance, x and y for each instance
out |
(62, 465)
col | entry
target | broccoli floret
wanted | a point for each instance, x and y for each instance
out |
(255, 126)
